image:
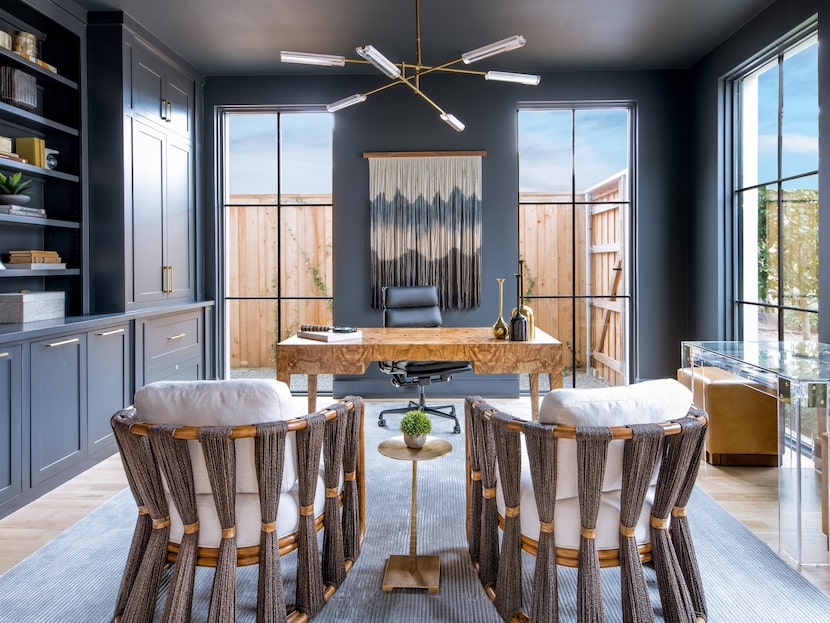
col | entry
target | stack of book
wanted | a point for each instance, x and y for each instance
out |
(34, 259)
(23, 211)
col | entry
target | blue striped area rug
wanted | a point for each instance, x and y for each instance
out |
(75, 577)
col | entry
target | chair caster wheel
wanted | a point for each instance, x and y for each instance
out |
(381, 423)
(456, 430)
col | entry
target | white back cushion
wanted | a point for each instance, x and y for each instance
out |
(640, 403)
(222, 403)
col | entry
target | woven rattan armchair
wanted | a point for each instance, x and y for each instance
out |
(225, 475)
(601, 480)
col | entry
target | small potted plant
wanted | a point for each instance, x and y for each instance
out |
(13, 191)
(415, 426)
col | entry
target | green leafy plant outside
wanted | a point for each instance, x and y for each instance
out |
(415, 423)
(12, 184)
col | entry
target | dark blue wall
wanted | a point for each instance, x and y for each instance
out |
(397, 120)
(709, 319)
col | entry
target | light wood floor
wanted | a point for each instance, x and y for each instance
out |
(750, 494)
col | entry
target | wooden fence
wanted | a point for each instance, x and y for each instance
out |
(256, 261)
(568, 248)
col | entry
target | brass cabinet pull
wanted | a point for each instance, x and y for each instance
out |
(176, 337)
(4, 355)
(167, 286)
(113, 332)
(64, 342)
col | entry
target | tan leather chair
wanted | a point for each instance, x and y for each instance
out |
(743, 417)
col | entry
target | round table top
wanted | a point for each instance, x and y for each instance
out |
(395, 448)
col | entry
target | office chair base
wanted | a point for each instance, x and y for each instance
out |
(426, 409)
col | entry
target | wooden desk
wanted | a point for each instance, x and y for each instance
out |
(542, 355)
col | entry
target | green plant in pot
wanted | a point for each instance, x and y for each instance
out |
(415, 426)
(14, 190)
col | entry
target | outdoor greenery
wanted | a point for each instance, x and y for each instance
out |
(415, 423)
(798, 276)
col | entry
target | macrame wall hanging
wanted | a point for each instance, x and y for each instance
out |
(426, 224)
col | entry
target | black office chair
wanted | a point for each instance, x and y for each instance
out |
(417, 306)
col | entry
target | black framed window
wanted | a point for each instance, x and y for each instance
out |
(775, 192)
(277, 220)
(575, 209)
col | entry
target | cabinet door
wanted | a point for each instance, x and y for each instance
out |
(148, 199)
(108, 382)
(58, 405)
(148, 84)
(179, 91)
(11, 414)
(180, 222)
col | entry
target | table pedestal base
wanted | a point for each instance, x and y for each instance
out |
(425, 575)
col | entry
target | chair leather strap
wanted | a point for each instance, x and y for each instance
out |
(627, 531)
(191, 528)
(659, 524)
(158, 524)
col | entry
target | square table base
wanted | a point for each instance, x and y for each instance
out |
(426, 574)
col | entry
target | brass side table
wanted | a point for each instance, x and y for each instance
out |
(413, 571)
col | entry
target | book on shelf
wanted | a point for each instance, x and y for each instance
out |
(35, 253)
(22, 211)
(10, 155)
(32, 148)
(330, 336)
(36, 265)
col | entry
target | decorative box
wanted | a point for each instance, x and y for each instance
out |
(30, 306)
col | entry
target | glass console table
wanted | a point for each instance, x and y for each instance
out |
(798, 374)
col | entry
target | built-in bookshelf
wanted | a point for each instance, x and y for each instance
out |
(54, 122)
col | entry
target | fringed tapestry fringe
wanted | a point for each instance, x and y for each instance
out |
(425, 227)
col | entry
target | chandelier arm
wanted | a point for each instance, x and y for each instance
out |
(451, 70)
(354, 60)
(418, 33)
(384, 87)
(423, 95)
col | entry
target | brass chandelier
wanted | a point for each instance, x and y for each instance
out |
(409, 74)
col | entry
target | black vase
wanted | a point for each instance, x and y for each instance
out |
(518, 321)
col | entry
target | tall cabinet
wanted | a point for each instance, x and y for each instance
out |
(143, 156)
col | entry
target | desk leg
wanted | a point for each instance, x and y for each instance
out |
(312, 392)
(412, 571)
(534, 396)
